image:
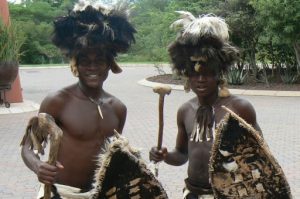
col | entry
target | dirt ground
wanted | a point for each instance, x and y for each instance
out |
(167, 79)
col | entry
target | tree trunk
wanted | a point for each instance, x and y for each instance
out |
(297, 52)
(252, 62)
(278, 75)
(272, 59)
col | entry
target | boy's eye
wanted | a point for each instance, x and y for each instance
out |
(100, 62)
(208, 73)
(88, 62)
(203, 73)
(84, 62)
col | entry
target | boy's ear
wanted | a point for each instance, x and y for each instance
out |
(115, 68)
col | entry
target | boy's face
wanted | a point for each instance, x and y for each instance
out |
(205, 82)
(92, 67)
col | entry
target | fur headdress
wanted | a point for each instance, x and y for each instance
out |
(201, 42)
(94, 26)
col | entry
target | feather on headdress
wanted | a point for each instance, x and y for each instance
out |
(94, 26)
(202, 41)
(204, 26)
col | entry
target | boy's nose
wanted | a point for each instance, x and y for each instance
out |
(95, 64)
(201, 78)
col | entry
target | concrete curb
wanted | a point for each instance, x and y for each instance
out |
(130, 65)
(41, 67)
(147, 83)
(26, 106)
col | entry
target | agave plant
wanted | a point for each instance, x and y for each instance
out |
(289, 76)
(236, 76)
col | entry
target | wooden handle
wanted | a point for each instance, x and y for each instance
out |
(55, 140)
(47, 192)
(161, 121)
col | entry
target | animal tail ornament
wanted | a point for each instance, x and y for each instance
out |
(40, 129)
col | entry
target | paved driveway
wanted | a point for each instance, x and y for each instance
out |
(277, 116)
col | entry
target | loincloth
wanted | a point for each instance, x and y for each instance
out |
(197, 188)
(64, 192)
(186, 192)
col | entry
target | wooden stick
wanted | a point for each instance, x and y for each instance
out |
(162, 91)
(55, 140)
(161, 121)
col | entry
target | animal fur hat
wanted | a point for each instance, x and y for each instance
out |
(201, 42)
(94, 26)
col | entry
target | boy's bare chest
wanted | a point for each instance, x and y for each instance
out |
(82, 120)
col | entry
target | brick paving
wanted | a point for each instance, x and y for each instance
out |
(278, 118)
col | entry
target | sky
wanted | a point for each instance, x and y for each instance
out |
(19, 1)
(14, 1)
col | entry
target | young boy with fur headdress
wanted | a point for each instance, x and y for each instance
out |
(202, 53)
(91, 37)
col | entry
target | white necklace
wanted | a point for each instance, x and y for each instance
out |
(98, 102)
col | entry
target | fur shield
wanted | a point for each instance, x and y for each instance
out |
(241, 164)
(123, 175)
